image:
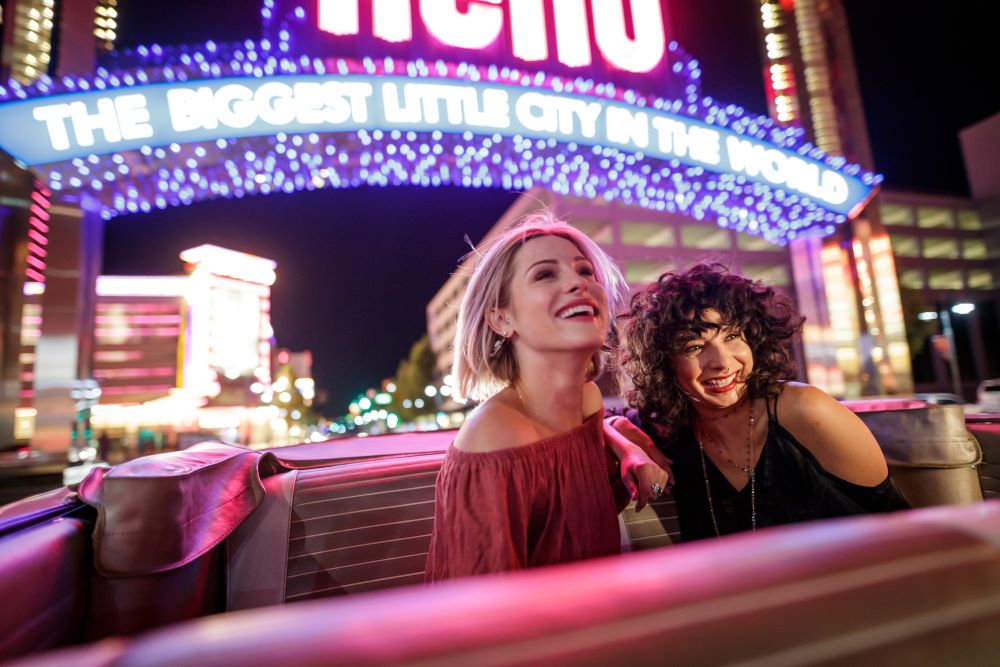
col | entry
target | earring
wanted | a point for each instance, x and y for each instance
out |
(498, 344)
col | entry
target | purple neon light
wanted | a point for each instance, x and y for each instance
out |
(160, 177)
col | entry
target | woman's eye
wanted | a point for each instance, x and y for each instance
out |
(691, 349)
(586, 271)
(733, 335)
(542, 275)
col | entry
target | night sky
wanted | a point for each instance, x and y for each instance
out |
(357, 267)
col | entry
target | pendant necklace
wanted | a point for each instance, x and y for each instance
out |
(748, 469)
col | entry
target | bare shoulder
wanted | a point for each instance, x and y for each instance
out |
(838, 439)
(810, 410)
(495, 425)
(804, 401)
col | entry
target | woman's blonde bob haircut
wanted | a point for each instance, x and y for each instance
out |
(477, 372)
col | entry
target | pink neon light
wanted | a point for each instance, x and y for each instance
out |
(26, 393)
(41, 198)
(114, 356)
(231, 264)
(27, 376)
(572, 34)
(527, 28)
(37, 249)
(31, 319)
(391, 20)
(34, 275)
(41, 240)
(339, 17)
(137, 389)
(41, 213)
(39, 225)
(639, 54)
(122, 320)
(127, 309)
(118, 373)
(35, 262)
(476, 28)
(30, 333)
(128, 332)
(168, 286)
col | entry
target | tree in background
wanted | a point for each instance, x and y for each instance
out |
(412, 377)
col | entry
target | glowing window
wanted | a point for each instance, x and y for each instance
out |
(599, 230)
(973, 249)
(980, 279)
(934, 216)
(705, 236)
(940, 248)
(773, 275)
(969, 220)
(911, 278)
(642, 271)
(944, 279)
(905, 246)
(753, 243)
(648, 234)
(896, 214)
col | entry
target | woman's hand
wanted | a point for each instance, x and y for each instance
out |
(645, 471)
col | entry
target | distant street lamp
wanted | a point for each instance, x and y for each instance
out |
(949, 334)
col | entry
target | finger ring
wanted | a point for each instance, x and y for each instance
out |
(656, 489)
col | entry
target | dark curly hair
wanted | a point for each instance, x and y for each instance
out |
(666, 314)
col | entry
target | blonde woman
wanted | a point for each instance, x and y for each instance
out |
(527, 480)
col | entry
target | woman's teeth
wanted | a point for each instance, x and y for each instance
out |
(577, 310)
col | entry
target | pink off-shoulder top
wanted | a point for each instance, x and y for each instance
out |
(539, 504)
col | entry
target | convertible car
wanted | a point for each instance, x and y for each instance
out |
(314, 554)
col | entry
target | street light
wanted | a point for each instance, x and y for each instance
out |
(949, 334)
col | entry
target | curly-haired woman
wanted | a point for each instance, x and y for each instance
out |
(706, 354)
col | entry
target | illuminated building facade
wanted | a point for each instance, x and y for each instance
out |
(26, 50)
(907, 255)
(23, 235)
(947, 261)
(855, 338)
(46, 37)
(188, 352)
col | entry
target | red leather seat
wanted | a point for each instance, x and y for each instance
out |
(915, 588)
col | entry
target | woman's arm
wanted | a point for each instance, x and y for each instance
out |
(642, 464)
(640, 470)
(838, 439)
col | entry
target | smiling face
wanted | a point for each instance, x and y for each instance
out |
(713, 369)
(556, 303)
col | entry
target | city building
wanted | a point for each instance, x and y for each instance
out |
(944, 249)
(23, 235)
(189, 353)
(42, 37)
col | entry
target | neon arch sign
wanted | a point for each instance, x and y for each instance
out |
(624, 42)
(630, 34)
(172, 126)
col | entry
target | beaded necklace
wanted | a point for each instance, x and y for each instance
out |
(749, 469)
